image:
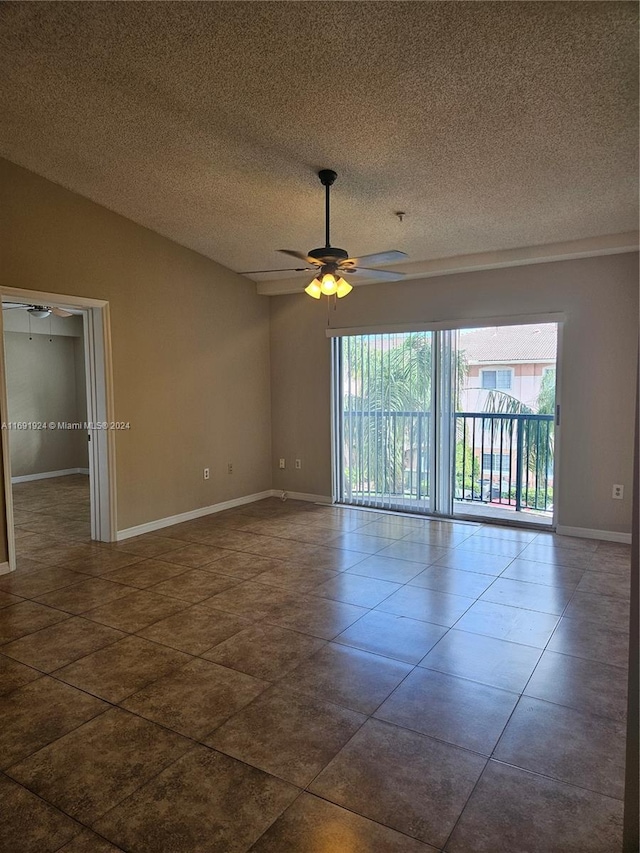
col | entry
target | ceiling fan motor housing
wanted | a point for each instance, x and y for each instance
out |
(329, 253)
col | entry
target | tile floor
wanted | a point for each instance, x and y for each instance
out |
(291, 678)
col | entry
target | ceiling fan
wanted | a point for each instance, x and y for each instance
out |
(330, 263)
(40, 312)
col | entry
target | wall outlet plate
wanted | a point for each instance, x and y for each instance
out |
(298, 463)
(618, 492)
(282, 463)
(229, 467)
(205, 474)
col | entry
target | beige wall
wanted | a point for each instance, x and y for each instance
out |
(600, 299)
(42, 375)
(190, 345)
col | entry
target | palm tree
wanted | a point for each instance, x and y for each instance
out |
(537, 435)
(546, 402)
(389, 392)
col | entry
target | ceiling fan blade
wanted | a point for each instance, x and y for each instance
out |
(381, 275)
(302, 257)
(288, 269)
(391, 257)
(60, 312)
(7, 306)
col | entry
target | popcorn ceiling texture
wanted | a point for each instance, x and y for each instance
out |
(493, 125)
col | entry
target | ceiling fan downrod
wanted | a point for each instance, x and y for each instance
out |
(327, 177)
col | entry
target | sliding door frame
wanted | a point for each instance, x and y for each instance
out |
(442, 444)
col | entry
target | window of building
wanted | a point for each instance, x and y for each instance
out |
(499, 380)
(492, 461)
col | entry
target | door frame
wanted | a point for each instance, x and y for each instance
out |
(452, 325)
(100, 409)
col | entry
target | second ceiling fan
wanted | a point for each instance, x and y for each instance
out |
(331, 264)
(38, 311)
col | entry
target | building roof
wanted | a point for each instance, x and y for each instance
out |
(510, 343)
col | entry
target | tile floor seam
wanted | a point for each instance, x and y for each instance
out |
(275, 820)
(467, 801)
(557, 779)
(120, 802)
(137, 690)
(196, 745)
(112, 707)
(75, 660)
(81, 826)
(365, 817)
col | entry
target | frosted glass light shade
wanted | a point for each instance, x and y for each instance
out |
(328, 284)
(343, 288)
(314, 289)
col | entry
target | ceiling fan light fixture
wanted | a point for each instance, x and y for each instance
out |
(40, 313)
(329, 261)
(314, 289)
(343, 288)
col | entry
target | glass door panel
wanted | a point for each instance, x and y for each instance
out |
(505, 422)
(383, 426)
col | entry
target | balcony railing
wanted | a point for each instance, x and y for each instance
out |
(503, 460)
(386, 457)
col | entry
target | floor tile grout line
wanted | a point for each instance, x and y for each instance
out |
(557, 779)
(81, 826)
(467, 801)
(87, 825)
(276, 819)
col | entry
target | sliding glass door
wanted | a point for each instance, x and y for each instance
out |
(455, 422)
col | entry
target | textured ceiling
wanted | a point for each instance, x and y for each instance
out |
(493, 125)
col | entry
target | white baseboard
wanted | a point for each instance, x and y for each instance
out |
(159, 523)
(588, 533)
(4, 568)
(47, 475)
(301, 496)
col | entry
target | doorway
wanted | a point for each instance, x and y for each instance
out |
(47, 417)
(56, 399)
(455, 422)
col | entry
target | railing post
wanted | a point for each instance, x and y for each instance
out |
(519, 466)
(419, 460)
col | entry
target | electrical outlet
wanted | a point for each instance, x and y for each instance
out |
(618, 492)
(282, 463)
(205, 474)
(298, 463)
(229, 467)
